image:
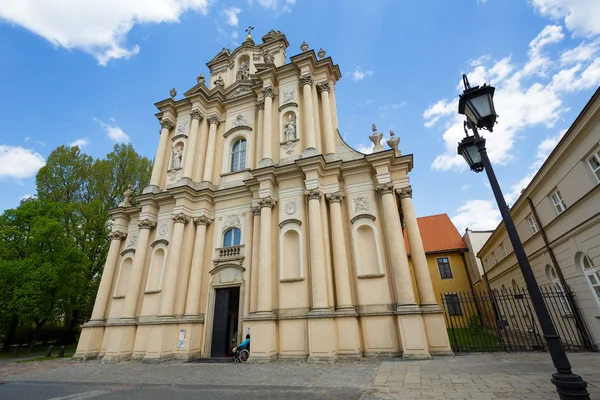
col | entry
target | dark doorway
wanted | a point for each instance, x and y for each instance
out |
(225, 322)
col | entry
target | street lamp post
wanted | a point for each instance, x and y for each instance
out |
(477, 104)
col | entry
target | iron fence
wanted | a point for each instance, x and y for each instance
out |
(504, 320)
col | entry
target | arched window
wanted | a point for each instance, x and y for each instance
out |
(232, 237)
(592, 274)
(238, 155)
(558, 288)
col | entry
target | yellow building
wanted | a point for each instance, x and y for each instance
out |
(445, 252)
(260, 219)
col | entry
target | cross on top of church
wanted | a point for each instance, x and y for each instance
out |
(249, 32)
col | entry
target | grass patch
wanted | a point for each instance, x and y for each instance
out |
(39, 351)
(473, 339)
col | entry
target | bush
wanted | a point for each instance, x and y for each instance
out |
(48, 334)
(475, 323)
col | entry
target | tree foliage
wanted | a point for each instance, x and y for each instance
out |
(55, 245)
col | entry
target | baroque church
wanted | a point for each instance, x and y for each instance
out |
(260, 219)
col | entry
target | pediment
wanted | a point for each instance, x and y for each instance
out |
(223, 55)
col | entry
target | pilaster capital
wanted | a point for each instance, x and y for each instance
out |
(267, 202)
(146, 224)
(180, 218)
(260, 105)
(256, 210)
(214, 120)
(203, 220)
(268, 92)
(306, 80)
(313, 194)
(196, 114)
(386, 188)
(117, 235)
(334, 197)
(323, 87)
(405, 192)
(166, 123)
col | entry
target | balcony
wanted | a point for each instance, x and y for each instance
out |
(229, 254)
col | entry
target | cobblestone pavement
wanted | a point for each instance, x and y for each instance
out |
(479, 376)
(472, 376)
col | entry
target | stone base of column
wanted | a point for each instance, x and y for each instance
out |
(263, 337)
(437, 332)
(309, 152)
(151, 189)
(119, 341)
(193, 334)
(348, 337)
(322, 338)
(90, 342)
(380, 335)
(293, 339)
(413, 337)
(162, 343)
(265, 162)
(184, 182)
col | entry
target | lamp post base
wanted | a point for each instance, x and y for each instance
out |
(570, 386)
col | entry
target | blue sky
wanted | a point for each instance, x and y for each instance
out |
(89, 73)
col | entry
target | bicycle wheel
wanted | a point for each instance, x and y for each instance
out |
(244, 354)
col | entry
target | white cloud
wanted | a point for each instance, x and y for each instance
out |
(526, 95)
(286, 5)
(98, 27)
(580, 16)
(19, 163)
(585, 51)
(26, 196)
(370, 101)
(231, 15)
(365, 149)
(80, 143)
(479, 215)
(359, 75)
(397, 106)
(113, 132)
(464, 187)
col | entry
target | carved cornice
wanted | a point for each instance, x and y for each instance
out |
(202, 220)
(180, 218)
(305, 80)
(313, 194)
(117, 235)
(268, 92)
(405, 192)
(214, 120)
(256, 211)
(323, 87)
(260, 105)
(146, 224)
(386, 188)
(267, 202)
(196, 114)
(166, 123)
(334, 197)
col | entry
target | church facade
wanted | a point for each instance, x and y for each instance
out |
(260, 219)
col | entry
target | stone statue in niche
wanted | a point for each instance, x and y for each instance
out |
(177, 157)
(289, 129)
(219, 81)
(244, 71)
(268, 57)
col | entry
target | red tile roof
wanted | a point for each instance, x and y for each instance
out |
(438, 234)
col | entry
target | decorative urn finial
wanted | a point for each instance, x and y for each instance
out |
(173, 93)
(376, 139)
(393, 141)
(201, 79)
(304, 46)
(321, 53)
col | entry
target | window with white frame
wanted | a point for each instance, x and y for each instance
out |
(558, 288)
(232, 237)
(503, 250)
(494, 258)
(238, 155)
(532, 224)
(594, 163)
(558, 202)
(592, 274)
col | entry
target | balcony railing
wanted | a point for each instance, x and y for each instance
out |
(229, 253)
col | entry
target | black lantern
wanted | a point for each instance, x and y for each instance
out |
(469, 150)
(478, 105)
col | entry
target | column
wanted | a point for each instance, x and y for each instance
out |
(317, 252)
(167, 299)
(190, 148)
(137, 270)
(265, 261)
(268, 123)
(159, 160)
(99, 312)
(323, 88)
(200, 153)
(209, 161)
(417, 252)
(340, 259)
(260, 106)
(192, 303)
(403, 289)
(309, 119)
(255, 257)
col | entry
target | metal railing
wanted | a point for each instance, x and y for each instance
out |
(504, 320)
